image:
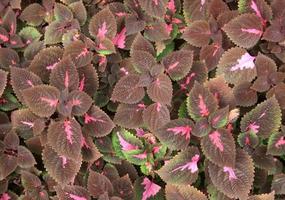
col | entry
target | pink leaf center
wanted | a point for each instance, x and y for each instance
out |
(280, 142)
(120, 39)
(68, 131)
(102, 60)
(30, 124)
(30, 83)
(125, 145)
(141, 156)
(64, 161)
(52, 66)
(140, 132)
(171, 6)
(88, 119)
(75, 197)
(231, 173)
(102, 31)
(4, 38)
(51, 102)
(182, 130)
(253, 127)
(66, 80)
(173, 66)
(158, 107)
(257, 11)
(245, 62)
(81, 83)
(83, 53)
(202, 4)
(202, 106)
(252, 30)
(84, 143)
(187, 81)
(215, 138)
(150, 189)
(121, 14)
(124, 71)
(192, 165)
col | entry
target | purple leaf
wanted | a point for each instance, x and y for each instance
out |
(192, 165)
(150, 188)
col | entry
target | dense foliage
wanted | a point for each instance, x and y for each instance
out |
(142, 99)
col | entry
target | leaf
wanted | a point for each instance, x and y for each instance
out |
(3, 83)
(237, 66)
(245, 96)
(127, 91)
(140, 187)
(25, 158)
(268, 196)
(201, 128)
(211, 54)
(129, 115)
(235, 182)
(80, 102)
(142, 61)
(264, 119)
(176, 133)
(8, 57)
(97, 184)
(62, 12)
(79, 53)
(183, 192)
(263, 160)
(217, 7)
(98, 122)
(90, 152)
(64, 75)
(278, 183)
(195, 10)
(33, 14)
(155, 116)
(244, 30)
(29, 34)
(41, 99)
(133, 24)
(182, 169)
(9, 21)
(219, 118)
(150, 188)
(160, 90)
(30, 181)
(74, 192)
(157, 31)
(142, 44)
(273, 33)
(154, 8)
(65, 137)
(219, 147)
(123, 187)
(198, 33)
(62, 169)
(178, 64)
(22, 79)
(248, 139)
(45, 61)
(88, 79)
(200, 103)
(103, 24)
(276, 143)
(79, 11)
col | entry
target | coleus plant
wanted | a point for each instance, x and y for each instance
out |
(142, 99)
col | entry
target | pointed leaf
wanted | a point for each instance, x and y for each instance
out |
(150, 188)
(200, 103)
(97, 184)
(181, 192)
(41, 99)
(22, 79)
(30, 181)
(201, 128)
(235, 182)
(80, 102)
(244, 30)
(65, 138)
(88, 79)
(62, 169)
(219, 147)
(129, 115)
(98, 122)
(90, 152)
(244, 95)
(182, 169)
(264, 119)
(127, 91)
(146, 189)
(211, 54)
(237, 65)
(198, 33)
(142, 44)
(219, 118)
(176, 133)
(160, 90)
(103, 24)
(155, 116)
(3, 78)
(178, 64)
(45, 61)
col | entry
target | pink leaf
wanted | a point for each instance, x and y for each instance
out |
(51, 102)
(253, 127)
(125, 145)
(254, 7)
(203, 108)
(75, 197)
(102, 31)
(245, 62)
(150, 188)
(231, 172)
(120, 39)
(183, 130)
(280, 142)
(68, 131)
(215, 138)
(192, 165)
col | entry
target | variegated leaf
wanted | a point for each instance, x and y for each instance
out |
(219, 118)
(142, 61)
(276, 143)
(142, 44)
(88, 79)
(237, 66)
(22, 79)
(183, 192)
(244, 30)
(236, 181)
(219, 147)
(264, 119)
(146, 189)
(182, 169)
(65, 138)
(201, 102)
(211, 54)
(176, 133)
(3, 78)
(154, 8)
(41, 99)
(195, 10)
